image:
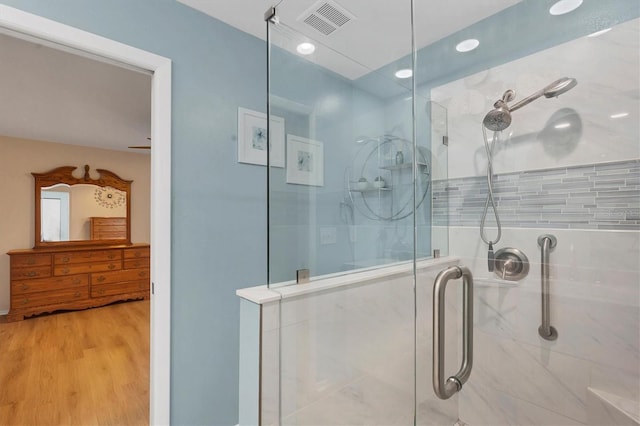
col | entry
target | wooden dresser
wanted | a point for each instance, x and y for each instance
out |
(70, 278)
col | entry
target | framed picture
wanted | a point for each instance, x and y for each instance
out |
(305, 161)
(252, 138)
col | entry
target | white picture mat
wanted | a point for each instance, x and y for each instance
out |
(305, 161)
(252, 138)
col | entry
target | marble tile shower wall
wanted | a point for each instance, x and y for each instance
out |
(597, 196)
(519, 378)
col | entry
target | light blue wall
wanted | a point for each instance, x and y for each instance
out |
(219, 218)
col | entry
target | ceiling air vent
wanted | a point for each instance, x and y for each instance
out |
(326, 17)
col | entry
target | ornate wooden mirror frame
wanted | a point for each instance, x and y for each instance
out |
(64, 175)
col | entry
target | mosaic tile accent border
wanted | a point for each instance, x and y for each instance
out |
(596, 196)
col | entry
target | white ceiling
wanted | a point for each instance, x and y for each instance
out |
(379, 34)
(58, 96)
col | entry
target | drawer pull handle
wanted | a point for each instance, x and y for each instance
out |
(111, 256)
(101, 278)
(77, 294)
(24, 287)
(101, 291)
(138, 254)
(31, 261)
(142, 273)
(31, 274)
(88, 255)
(25, 301)
(112, 266)
(77, 281)
(65, 259)
(65, 271)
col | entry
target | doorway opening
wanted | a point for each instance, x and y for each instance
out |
(59, 36)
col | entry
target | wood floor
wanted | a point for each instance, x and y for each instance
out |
(77, 368)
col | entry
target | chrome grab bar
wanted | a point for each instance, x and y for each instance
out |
(546, 243)
(444, 390)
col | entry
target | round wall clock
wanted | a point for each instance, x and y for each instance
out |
(109, 197)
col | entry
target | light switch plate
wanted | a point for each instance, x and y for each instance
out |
(328, 235)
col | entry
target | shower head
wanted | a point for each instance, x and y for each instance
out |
(499, 118)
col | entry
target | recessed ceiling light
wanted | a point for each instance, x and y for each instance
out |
(467, 45)
(306, 48)
(597, 33)
(404, 73)
(564, 6)
(562, 125)
(619, 115)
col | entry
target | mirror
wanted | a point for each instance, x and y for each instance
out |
(81, 211)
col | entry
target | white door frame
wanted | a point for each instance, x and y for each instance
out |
(16, 21)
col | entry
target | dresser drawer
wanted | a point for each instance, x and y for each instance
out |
(119, 288)
(43, 298)
(120, 276)
(136, 263)
(86, 256)
(135, 253)
(30, 260)
(108, 228)
(82, 268)
(48, 284)
(109, 221)
(29, 273)
(110, 234)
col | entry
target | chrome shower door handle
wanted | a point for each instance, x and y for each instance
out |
(446, 389)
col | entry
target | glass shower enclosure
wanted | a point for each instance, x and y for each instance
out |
(381, 167)
(350, 205)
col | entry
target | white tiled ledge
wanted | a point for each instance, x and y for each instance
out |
(262, 294)
(606, 408)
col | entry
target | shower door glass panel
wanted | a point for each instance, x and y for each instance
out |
(341, 193)
(566, 163)
(432, 213)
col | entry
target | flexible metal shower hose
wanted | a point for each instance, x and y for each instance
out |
(490, 199)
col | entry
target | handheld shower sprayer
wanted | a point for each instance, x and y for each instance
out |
(499, 118)
(496, 120)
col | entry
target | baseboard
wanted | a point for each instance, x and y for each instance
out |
(4, 312)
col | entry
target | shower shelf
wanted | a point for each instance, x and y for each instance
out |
(353, 188)
(372, 189)
(401, 166)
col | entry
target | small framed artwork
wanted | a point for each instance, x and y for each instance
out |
(305, 161)
(252, 138)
